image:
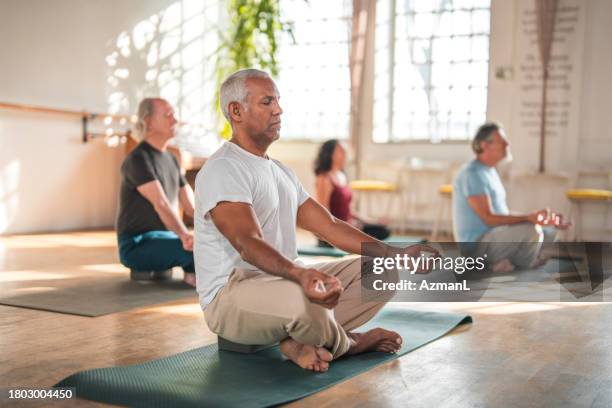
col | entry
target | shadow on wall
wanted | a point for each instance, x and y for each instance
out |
(170, 54)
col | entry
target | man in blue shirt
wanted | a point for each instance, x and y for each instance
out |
(482, 222)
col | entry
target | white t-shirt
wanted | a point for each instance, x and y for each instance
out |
(274, 192)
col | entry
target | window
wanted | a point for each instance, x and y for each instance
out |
(171, 53)
(431, 69)
(314, 77)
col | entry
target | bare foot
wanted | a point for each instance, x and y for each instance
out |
(308, 357)
(376, 340)
(190, 279)
(503, 266)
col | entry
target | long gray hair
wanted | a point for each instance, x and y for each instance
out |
(145, 109)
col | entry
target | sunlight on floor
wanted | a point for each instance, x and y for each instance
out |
(107, 268)
(192, 309)
(58, 240)
(34, 289)
(20, 276)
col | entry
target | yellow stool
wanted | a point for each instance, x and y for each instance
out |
(374, 186)
(446, 193)
(578, 196)
(446, 190)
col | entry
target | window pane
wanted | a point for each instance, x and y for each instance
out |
(437, 88)
(478, 99)
(444, 24)
(442, 75)
(480, 48)
(462, 4)
(480, 21)
(425, 24)
(421, 51)
(462, 77)
(410, 6)
(314, 77)
(461, 22)
(461, 48)
(479, 72)
(442, 49)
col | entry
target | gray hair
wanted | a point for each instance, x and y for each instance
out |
(484, 134)
(234, 89)
(145, 109)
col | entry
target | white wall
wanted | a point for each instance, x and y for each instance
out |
(49, 179)
(580, 154)
(54, 54)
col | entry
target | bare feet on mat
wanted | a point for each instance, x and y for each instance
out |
(308, 357)
(190, 279)
(375, 340)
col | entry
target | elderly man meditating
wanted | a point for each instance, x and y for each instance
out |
(248, 205)
(152, 236)
(482, 221)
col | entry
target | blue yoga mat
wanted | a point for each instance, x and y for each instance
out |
(207, 377)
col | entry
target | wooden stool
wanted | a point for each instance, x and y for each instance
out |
(578, 196)
(446, 193)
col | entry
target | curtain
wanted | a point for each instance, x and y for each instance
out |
(361, 23)
(546, 11)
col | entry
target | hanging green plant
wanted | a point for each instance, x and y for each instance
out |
(255, 27)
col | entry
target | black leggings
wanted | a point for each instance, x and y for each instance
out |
(377, 231)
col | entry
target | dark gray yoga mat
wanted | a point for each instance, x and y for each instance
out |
(93, 295)
(207, 377)
(314, 250)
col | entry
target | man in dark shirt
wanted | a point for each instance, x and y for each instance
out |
(151, 235)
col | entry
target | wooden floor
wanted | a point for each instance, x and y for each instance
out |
(514, 355)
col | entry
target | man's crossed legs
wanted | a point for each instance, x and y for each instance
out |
(258, 308)
(156, 251)
(516, 246)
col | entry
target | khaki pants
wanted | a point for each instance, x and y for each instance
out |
(259, 308)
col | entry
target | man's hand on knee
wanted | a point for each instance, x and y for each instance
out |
(320, 288)
(187, 240)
